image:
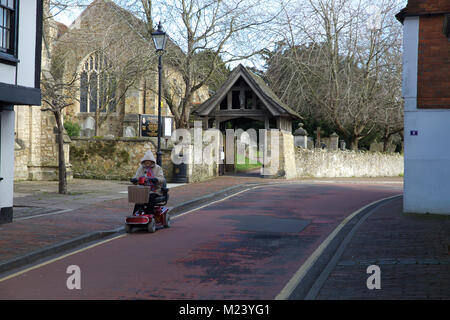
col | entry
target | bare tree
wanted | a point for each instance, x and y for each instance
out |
(55, 102)
(57, 94)
(118, 70)
(224, 29)
(338, 51)
(390, 115)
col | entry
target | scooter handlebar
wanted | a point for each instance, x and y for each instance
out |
(146, 180)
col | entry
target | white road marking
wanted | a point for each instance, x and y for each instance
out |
(210, 203)
(59, 258)
(44, 214)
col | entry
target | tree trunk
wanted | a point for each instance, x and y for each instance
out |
(181, 122)
(97, 124)
(386, 139)
(354, 143)
(62, 189)
(121, 110)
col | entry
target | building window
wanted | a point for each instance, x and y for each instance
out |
(97, 85)
(248, 99)
(224, 104)
(236, 102)
(7, 26)
(447, 26)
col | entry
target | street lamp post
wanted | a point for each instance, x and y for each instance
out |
(159, 39)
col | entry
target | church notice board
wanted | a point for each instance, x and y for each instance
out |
(149, 126)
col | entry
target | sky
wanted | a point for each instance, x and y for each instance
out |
(68, 15)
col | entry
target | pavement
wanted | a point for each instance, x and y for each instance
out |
(411, 250)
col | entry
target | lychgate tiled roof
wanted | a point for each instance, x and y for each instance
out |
(273, 104)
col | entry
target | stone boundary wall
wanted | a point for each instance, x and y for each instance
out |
(322, 163)
(35, 148)
(202, 172)
(118, 159)
(113, 158)
(195, 171)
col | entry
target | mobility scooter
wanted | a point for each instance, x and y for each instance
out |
(148, 215)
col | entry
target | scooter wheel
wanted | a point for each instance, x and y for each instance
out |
(151, 227)
(167, 221)
(128, 228)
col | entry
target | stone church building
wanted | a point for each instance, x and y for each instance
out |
(107, 65)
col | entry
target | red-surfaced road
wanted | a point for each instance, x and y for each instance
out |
(244, 247)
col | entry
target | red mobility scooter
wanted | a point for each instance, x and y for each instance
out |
(147, 214)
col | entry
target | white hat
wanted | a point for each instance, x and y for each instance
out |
(148, 156)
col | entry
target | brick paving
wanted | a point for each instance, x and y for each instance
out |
(246, 247)
(95, 206)
(412, 251)
(196, 190)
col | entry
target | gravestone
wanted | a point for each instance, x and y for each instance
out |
(129, 132)
(88, 127)
(301, 137)
(334, 141)
(310, 143)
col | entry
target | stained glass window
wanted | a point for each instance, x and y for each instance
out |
(97, 86)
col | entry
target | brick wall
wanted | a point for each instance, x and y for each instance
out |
(433, 64)
(428, 6)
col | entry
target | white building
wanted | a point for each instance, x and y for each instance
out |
(426, 91)
(20, 68)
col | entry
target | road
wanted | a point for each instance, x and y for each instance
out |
(245, 247)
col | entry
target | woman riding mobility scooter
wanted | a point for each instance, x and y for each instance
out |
(149, 197)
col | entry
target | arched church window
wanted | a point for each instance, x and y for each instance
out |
(97, 85)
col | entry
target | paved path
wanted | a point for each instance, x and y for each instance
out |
(412, 251)
(225, 251)
(45, 218)
(245, 247)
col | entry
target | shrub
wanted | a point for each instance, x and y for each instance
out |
(72, 128)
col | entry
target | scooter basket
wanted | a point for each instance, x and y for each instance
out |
(138, 194)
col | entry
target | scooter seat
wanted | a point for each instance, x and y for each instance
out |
(165, 195)
(160, 199)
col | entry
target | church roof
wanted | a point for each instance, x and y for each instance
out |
(273, 104)
(124, 14)
(111, 13)
(62, 28)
